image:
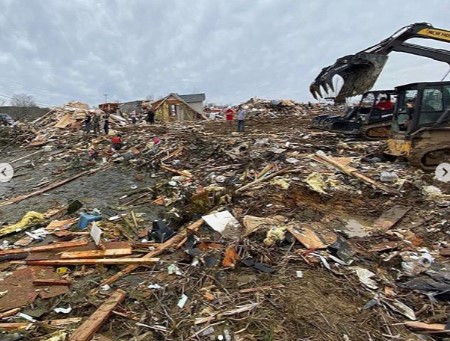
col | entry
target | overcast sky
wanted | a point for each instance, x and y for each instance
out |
(58, 50)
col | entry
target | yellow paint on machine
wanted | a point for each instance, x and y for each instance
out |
(435, 33)
(399, 147)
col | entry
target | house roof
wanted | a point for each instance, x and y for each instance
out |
(191, 98)
(130, 106)
(158, 103)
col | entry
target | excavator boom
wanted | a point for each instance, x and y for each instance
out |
(361, 70)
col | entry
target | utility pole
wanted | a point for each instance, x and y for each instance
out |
(106, 98)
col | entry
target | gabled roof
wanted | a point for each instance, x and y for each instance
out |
(160, 102)
(191, 98)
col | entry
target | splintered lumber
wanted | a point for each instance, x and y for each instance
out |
(176, 171)
(353, 172)
(43, 248)
(46, 323)
(49, 187)
(14, 325)
(218, 315)
(391, 217)
(10, 312)
(267, 287)
(86, 331)
(90, 261)
(172, 242)
(264, 178)
(96, 253)
(50, 281)
(431, 327)
(307, 237)
(175, 152)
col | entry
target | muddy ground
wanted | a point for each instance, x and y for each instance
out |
(322, 304)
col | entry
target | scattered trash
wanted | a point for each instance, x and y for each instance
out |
(365, 277)
(414, 264)
(160, 232)
(174, 269)
(60, 310)
(182, 301)
(388, 177)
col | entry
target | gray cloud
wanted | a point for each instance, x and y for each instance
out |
(231, 49)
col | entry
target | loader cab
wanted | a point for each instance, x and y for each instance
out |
(376, 106)
(421, 105)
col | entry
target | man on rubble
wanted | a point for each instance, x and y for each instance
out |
(106, 123)
(240, 118)
(133, 117)
(87, 122)
(96, 123)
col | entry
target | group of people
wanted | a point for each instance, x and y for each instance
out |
(94, 118)
(231, 114)
(149, 115)
(92, 121)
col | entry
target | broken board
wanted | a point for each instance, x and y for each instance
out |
(389, 218)
(314, 237)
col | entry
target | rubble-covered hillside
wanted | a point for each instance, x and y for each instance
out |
(193, 232)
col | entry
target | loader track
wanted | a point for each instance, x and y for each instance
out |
(377, 131)
(427, 158)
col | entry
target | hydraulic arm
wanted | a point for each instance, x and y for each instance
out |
(361, 70)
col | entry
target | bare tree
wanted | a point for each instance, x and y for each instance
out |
(22, 100)
(2, 102)
(150, 97)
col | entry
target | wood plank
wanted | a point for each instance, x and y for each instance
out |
(445, 252)
(43, 248)
(353, 172)
(90, 261)
(51, 186)
(176, 171)
(87, 330)
(307, 237)
(175, 240)
(96, 253)
(389, 218)
(10, 312)
(50, 281)
(14, 325)
(435, 327)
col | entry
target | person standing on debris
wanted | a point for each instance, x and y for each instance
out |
(106, 123)
(240, 118)
(96, 123)
(229, 116)
(87, 122)
(133, 117)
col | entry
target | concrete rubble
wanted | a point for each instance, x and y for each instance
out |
(279, 233)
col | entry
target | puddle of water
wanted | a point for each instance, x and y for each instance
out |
(354, 228)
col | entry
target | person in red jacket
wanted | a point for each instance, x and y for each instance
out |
(229, 116)
(384, 104)
(116, 142)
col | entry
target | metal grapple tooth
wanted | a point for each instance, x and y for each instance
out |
(315, 91)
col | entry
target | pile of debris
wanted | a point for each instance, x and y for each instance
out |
(277, 233)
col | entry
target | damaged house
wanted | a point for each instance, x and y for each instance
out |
(175, 107)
